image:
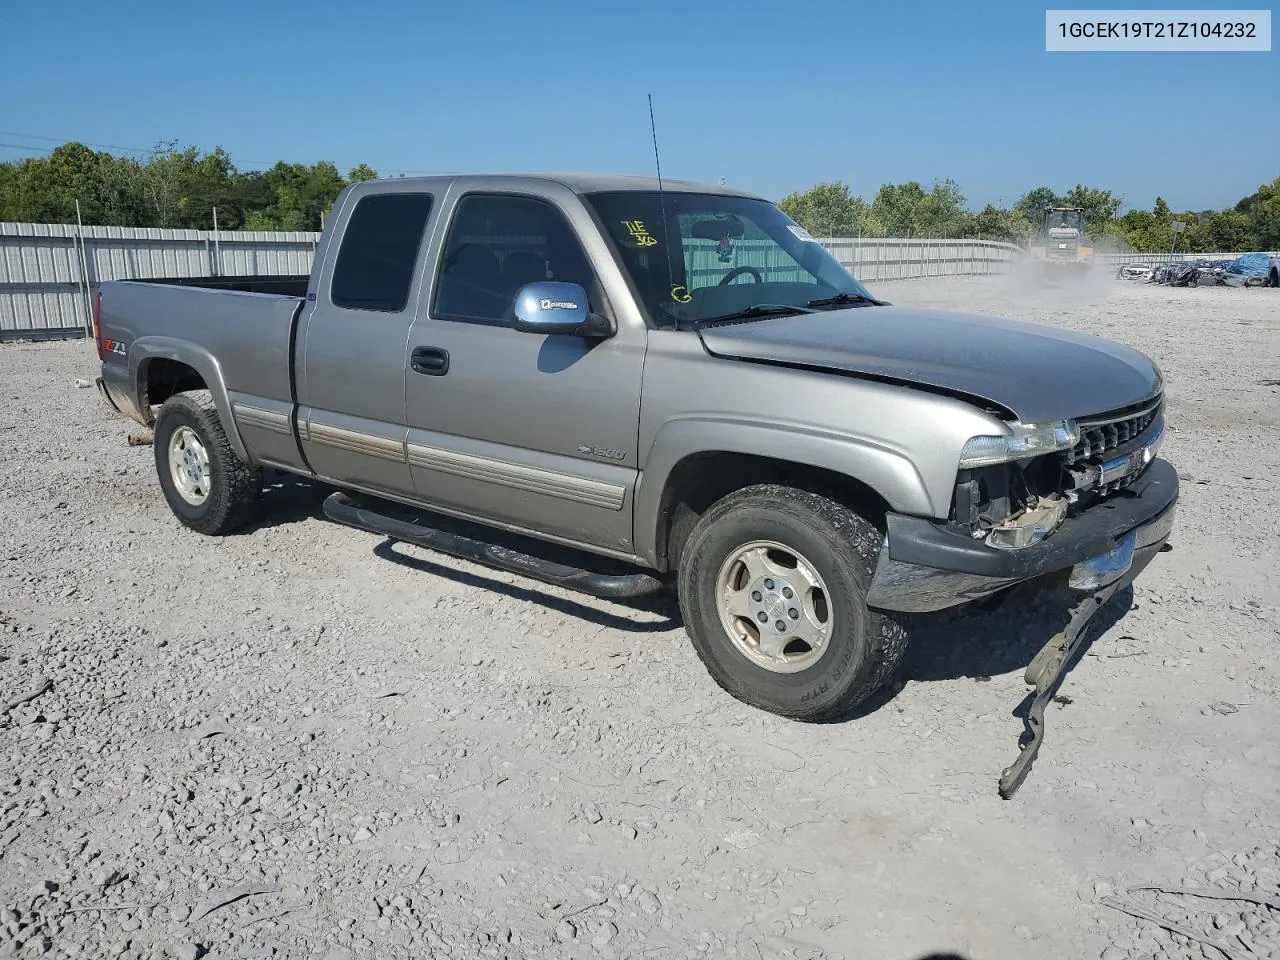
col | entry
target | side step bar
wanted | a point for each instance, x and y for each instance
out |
(342, 509)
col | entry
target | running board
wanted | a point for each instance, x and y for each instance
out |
(341, 508)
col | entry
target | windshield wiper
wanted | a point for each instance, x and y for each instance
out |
(841, 298)
(756, 310)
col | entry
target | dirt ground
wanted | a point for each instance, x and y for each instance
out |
(302, 742)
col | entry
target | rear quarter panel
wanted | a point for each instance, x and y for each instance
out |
(238, 343)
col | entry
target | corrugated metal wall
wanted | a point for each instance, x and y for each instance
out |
(901, 258)
(49, 272)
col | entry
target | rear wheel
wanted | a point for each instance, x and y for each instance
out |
(208, 487)
(773, 584)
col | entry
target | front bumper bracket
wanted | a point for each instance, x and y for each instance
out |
(1045, 673)
(1050, 665)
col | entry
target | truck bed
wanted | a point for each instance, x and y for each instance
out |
(235, 331)
(285, 284)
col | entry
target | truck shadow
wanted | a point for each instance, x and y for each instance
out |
(981, 643)
(982, 640)
(292, 499)
(287, 498)
(976, 641)
(662, 605)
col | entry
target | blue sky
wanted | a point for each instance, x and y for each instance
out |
(774, 97)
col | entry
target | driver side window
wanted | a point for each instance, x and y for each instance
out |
(496, 244)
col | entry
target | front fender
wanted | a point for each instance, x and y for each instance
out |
(888, 472)
(145, 349)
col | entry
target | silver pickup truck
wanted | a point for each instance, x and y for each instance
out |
(675, 376)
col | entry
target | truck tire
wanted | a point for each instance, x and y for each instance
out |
(773, 584)
(208, 487)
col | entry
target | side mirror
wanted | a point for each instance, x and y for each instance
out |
(552, 308)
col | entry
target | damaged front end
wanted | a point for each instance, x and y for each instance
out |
(1014, 496)
(1011, 504)
(1087, 500)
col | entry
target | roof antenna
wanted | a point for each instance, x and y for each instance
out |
(662, 205)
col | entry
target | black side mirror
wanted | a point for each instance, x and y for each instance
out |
(552, 308)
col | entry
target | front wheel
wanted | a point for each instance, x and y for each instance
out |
(773, 584)
(208, 487)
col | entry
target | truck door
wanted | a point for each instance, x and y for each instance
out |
(535, 431)
(350, 353)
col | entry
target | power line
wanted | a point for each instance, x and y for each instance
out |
(22, 146)
(152, 151)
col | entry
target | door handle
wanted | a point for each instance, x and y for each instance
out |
(433, 361)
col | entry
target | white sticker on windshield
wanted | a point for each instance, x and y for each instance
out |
(801, 233)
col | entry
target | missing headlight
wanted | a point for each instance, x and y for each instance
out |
(1011, 505)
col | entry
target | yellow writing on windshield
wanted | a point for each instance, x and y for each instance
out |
(681, 294)
(640, 233)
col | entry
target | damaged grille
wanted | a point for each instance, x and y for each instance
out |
(1014, 504)
(1100, 435)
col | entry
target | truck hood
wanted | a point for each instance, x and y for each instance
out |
(1039, 373)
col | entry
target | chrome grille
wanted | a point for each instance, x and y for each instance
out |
(1098, 435)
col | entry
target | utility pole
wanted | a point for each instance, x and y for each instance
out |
(84, 274)
(217, 248)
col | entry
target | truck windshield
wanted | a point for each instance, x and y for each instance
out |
(719, 256)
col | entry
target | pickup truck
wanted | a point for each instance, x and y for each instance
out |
(672, 375)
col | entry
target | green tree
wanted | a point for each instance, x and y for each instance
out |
(895, 206)
(1100, 207)
(1220, 231)
(45, 189)
(1032, 203)
(826, 210)
(1263, 210)
(290, 196)
(1141, 230)
(362, 173)
(907, 209)
(996, 224)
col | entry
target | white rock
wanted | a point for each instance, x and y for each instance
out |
(604, 935)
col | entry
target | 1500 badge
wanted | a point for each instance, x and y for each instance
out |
(604, 452)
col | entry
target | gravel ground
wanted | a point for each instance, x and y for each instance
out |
(300, 742)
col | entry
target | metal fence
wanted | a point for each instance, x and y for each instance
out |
(50, 272)
(898, 258)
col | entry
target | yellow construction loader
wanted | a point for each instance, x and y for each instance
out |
(1061, 241)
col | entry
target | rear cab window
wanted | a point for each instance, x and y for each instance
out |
(380, 245)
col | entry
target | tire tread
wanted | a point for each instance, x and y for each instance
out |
(844, 529)
(236, 486)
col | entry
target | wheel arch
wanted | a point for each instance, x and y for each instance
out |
(164, 366)
(694, 463)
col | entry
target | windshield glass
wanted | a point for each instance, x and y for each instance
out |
(1063, 218)
(716, 255)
